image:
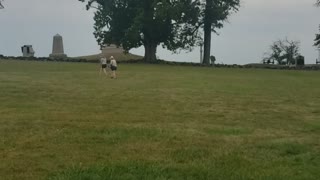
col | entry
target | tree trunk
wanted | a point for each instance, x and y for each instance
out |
(207, 44)
(150, 52)
(207, 32)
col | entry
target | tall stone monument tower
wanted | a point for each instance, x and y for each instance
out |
(57, 47)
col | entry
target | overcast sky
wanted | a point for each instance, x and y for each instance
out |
(244, 39)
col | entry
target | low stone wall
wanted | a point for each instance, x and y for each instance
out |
(247, 66)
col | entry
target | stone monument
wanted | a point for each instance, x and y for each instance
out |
(27, 51)
(57, 47)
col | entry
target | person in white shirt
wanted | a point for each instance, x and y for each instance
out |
(103, 61)
(114, 67)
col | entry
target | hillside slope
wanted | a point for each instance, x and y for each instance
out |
(117, 56)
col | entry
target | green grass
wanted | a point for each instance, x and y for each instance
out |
(61, 121)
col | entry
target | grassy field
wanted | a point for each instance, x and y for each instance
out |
(61, 121)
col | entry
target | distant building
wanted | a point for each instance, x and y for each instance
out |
(27, 51)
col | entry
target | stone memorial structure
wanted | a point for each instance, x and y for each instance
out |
(57, 48)
(27, 51)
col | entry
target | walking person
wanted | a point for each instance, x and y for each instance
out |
(114, 67)
(103, 61)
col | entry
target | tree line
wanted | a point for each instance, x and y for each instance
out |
(173, 24)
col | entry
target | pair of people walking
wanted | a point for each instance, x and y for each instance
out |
(113, 66)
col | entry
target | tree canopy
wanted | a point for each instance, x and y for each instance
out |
(174, 24)
(133, 23)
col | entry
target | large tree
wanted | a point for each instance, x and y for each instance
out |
(215, 13)
(148, 23)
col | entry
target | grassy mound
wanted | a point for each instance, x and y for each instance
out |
(118, 57)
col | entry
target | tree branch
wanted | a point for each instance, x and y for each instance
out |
(1, 6)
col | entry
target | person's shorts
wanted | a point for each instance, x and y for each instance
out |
(113, 68)
(103, 66)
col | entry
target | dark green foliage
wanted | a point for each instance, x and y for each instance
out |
(133, 23)
(173, 24)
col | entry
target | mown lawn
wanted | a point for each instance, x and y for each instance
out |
(61, 121)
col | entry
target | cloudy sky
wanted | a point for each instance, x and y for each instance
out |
(244, 39)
